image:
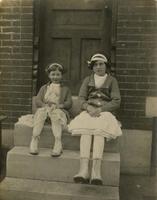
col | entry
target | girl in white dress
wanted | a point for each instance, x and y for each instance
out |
(100, 98)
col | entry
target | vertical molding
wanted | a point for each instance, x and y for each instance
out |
(36, 4)
(114, 35)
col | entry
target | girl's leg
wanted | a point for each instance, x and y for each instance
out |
(98, 149)
(58, 121)
(85, 146)
(39, 120)
(57, 132)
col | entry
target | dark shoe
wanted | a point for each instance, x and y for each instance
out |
(34, 153)
(79, 179)
(96, 182)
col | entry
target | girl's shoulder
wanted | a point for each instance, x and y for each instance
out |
(44, 86)
(88, 78)
(111, 78)
(64, 87)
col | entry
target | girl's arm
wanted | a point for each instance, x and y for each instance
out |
(40, 97)
(68, 101)
(83, 93)
(114, 104)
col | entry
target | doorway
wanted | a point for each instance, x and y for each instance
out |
(70, 33)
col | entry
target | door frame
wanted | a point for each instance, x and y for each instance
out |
(112, 9)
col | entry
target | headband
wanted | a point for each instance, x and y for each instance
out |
(50, 67)
(97, 57)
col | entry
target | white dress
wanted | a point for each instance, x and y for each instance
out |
(105, 125)
(52, 95)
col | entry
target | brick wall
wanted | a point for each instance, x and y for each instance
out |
(136, 59)
(16, 34)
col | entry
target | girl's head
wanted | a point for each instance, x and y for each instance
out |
(99, 64)
(55, 72)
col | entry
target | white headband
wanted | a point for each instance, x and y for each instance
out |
(55, 64)
(100, 57)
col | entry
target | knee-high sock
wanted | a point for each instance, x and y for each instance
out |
(85, 146)
(57, 129)
(98, 147)
(39, 120)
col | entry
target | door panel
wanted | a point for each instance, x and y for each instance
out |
(89, 47)
(71, 32)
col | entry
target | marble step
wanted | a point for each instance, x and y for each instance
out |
(21, 164)
(25, 189)
(23, 133)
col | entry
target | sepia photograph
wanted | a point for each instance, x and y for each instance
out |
(78, 99)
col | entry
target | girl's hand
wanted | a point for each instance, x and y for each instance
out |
(45, 105)
(50, 104)
(91, 110)
(97, 112)
(60, 106)
(94, 112)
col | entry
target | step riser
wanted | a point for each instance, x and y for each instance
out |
(24, 189)
(12, 195)
(23, 134)
(44, 167)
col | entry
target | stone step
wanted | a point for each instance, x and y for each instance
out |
(24, 189)
(21, 164)
(23, 134)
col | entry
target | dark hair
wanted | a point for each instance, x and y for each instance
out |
(54, 67)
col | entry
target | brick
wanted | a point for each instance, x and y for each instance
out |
(23, 62)
(136, 37)
(17, 88)
(5, 23)
(18, 75)
(16, 107)
(5, 49)
(14, 94)
(16, 23)
(12, 69)
(16, 36)
(27, 22)
(26, 49)
(26, 3)
(17, 43)
(137, 16)
(26, 29)
(16, 56)
(16, 9)
(20, 101)
(136, 3)
(22, 49)
(26, 16)
(11, 16)
(128, 85)
(5, 10)
(5, 36)
(27, 10)
(11, 29)
(10, 3)
(27, 36)
(17, 82)
(153, 86)
(142, 23)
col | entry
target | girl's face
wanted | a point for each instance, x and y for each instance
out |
(55, 76)
(99, 68)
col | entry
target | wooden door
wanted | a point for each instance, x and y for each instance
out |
(71, 32)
